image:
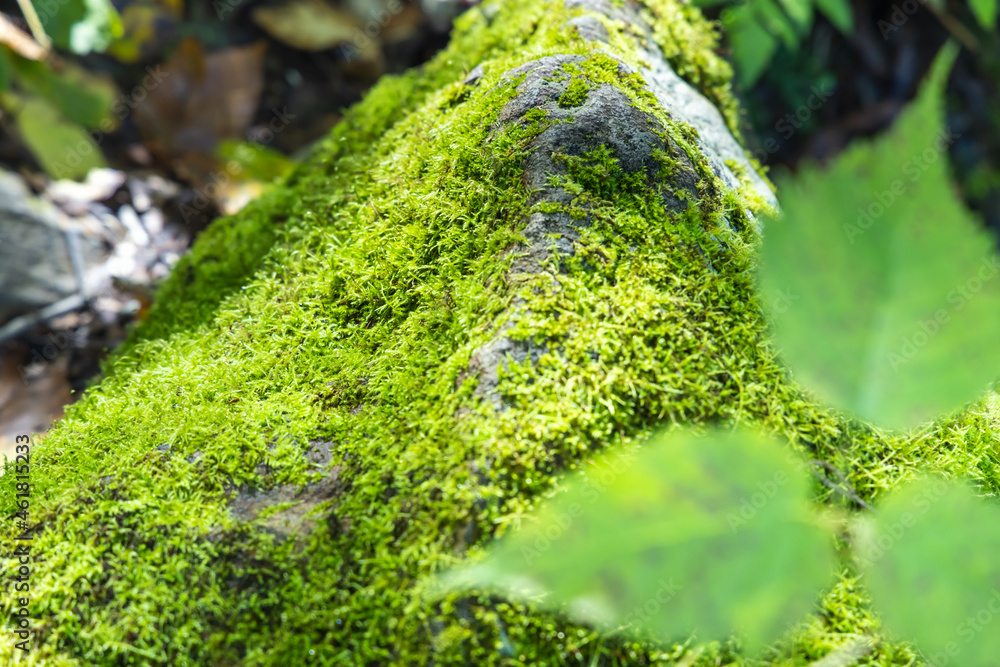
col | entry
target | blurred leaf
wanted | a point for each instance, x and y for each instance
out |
(147, 27)
(310, 25)
(256, 162)
(800, 11)
(774, 20)
(81, 96)
(985, 12)
(754, 28)
(883, 288)
(753, 45)
(81, 26)
(63, 148)
(709, 534)
(839, 12)
(930, 564)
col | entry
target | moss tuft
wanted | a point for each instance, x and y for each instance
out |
(576, 93)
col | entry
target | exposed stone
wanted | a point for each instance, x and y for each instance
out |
(248, 504)
(675, 95)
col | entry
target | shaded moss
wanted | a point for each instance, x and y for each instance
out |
(345, 308)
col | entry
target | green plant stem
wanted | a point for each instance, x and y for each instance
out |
(31, 16)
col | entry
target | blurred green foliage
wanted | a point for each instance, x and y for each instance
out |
(892, 288)
(80, 26)
(929, 558)
(756, 27)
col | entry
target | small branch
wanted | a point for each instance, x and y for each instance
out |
(31, 16)
(955, 27)
(19, 41)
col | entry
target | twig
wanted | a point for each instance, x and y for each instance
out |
(844, 488)
(691, 656)
(31, 16)
(19, 41)
(19, 325)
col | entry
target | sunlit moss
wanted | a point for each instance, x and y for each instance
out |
(344, 307)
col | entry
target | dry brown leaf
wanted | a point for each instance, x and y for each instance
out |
(310, 25)
(201, 100)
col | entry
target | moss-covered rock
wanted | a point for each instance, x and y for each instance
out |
(379, 366)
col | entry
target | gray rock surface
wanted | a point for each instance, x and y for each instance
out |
(35, 265)
(677, 97)
(607, 118)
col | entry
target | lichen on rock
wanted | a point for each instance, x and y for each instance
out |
(466, 291)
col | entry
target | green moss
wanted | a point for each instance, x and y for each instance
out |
(344, 308)
(576, 93)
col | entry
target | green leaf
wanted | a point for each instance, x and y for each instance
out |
(800, 11)
(753, 46)
(80, 96)
(985, 12)
(709, 534)
(63, 148)
(255, 161)
(775, 21)
(81, 26)
(839, 12)
(930, 564)
(883, 289)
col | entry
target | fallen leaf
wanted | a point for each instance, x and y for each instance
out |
(200, 100)
(310, 25)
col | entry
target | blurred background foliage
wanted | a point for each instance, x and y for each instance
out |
(865, 70)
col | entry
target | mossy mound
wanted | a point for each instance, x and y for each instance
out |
(295, 439)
